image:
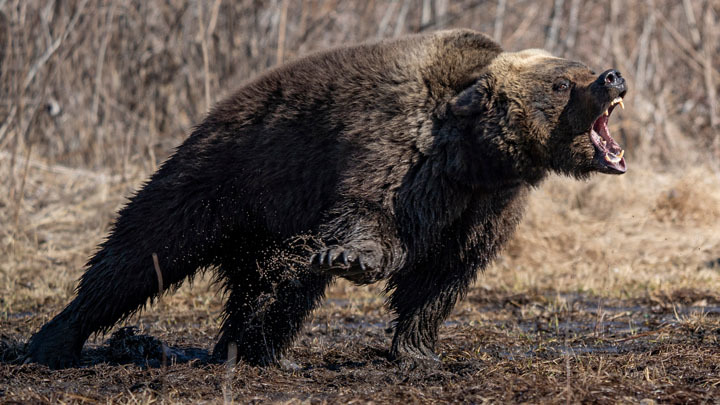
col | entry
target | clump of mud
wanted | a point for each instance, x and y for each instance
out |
(126, 346)
(11, 352)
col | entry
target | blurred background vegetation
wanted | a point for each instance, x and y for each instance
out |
(112, 84)
(95, 94)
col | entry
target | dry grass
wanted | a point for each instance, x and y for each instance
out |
(609, 292)
(615, 236)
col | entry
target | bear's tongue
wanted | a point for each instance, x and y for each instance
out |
(604, 143)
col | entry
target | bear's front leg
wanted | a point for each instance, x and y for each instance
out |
(360, 244)
(264, 317)
(422, 297)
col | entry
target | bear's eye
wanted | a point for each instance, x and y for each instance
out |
(561, 85)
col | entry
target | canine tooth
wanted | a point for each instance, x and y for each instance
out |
(606, 113)
(613, 158)
(618, 100)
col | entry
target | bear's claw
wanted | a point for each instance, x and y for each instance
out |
(339, 260)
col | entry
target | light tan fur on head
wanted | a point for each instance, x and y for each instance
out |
(519, 60)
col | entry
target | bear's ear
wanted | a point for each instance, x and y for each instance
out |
(469, 102)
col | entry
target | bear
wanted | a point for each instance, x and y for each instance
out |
(407, 160)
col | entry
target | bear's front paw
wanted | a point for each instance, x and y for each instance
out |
(412, 361)
(346, 260)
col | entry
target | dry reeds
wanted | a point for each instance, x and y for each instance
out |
(127, 80)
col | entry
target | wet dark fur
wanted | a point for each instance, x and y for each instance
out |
(406, 154)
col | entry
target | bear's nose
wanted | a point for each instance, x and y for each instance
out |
(612, 79)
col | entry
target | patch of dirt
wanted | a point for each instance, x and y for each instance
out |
(498, 346)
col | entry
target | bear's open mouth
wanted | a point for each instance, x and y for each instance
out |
(609, 155)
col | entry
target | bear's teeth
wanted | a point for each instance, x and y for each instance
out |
(618, 100)
(606, 113)
(613, 158)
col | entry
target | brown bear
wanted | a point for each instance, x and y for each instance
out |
(407, 160)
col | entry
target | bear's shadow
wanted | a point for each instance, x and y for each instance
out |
(126, 346)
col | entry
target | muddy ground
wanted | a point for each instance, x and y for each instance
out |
(496, 347)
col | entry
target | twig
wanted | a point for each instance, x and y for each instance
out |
(59, 169)
(692, 23)
(522, 28)
(164, 348)
(572, 24)
(18, 202)
(441, 13)
(213, 18)
(53, 47)
(427, 11)
(568, 387)
(282, 26)
(101, 60)
(206, 61)
(698, 61)
(615, 31)
(20, 135)
(644, 49)
(566, 354)
(6, 124)
(551, 38)
(499, 20)
(68, 171)
(386, 18)
(4, 39)
(402, 15)
(229, 372)
(158, 272)
(709, 42)
(640, 335)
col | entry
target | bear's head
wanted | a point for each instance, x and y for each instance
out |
(544, 113)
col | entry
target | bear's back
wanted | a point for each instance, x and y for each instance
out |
(386, 78)
(348, 121)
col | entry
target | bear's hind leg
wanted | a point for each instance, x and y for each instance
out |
(165, 219)
(119, 281)
(110, 290)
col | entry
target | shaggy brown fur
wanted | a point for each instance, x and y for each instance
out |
(406, 160)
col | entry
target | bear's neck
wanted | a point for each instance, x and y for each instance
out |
(479, 153)
(436, 206)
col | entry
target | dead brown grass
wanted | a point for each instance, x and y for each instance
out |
(619, 235)
(608, 294)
